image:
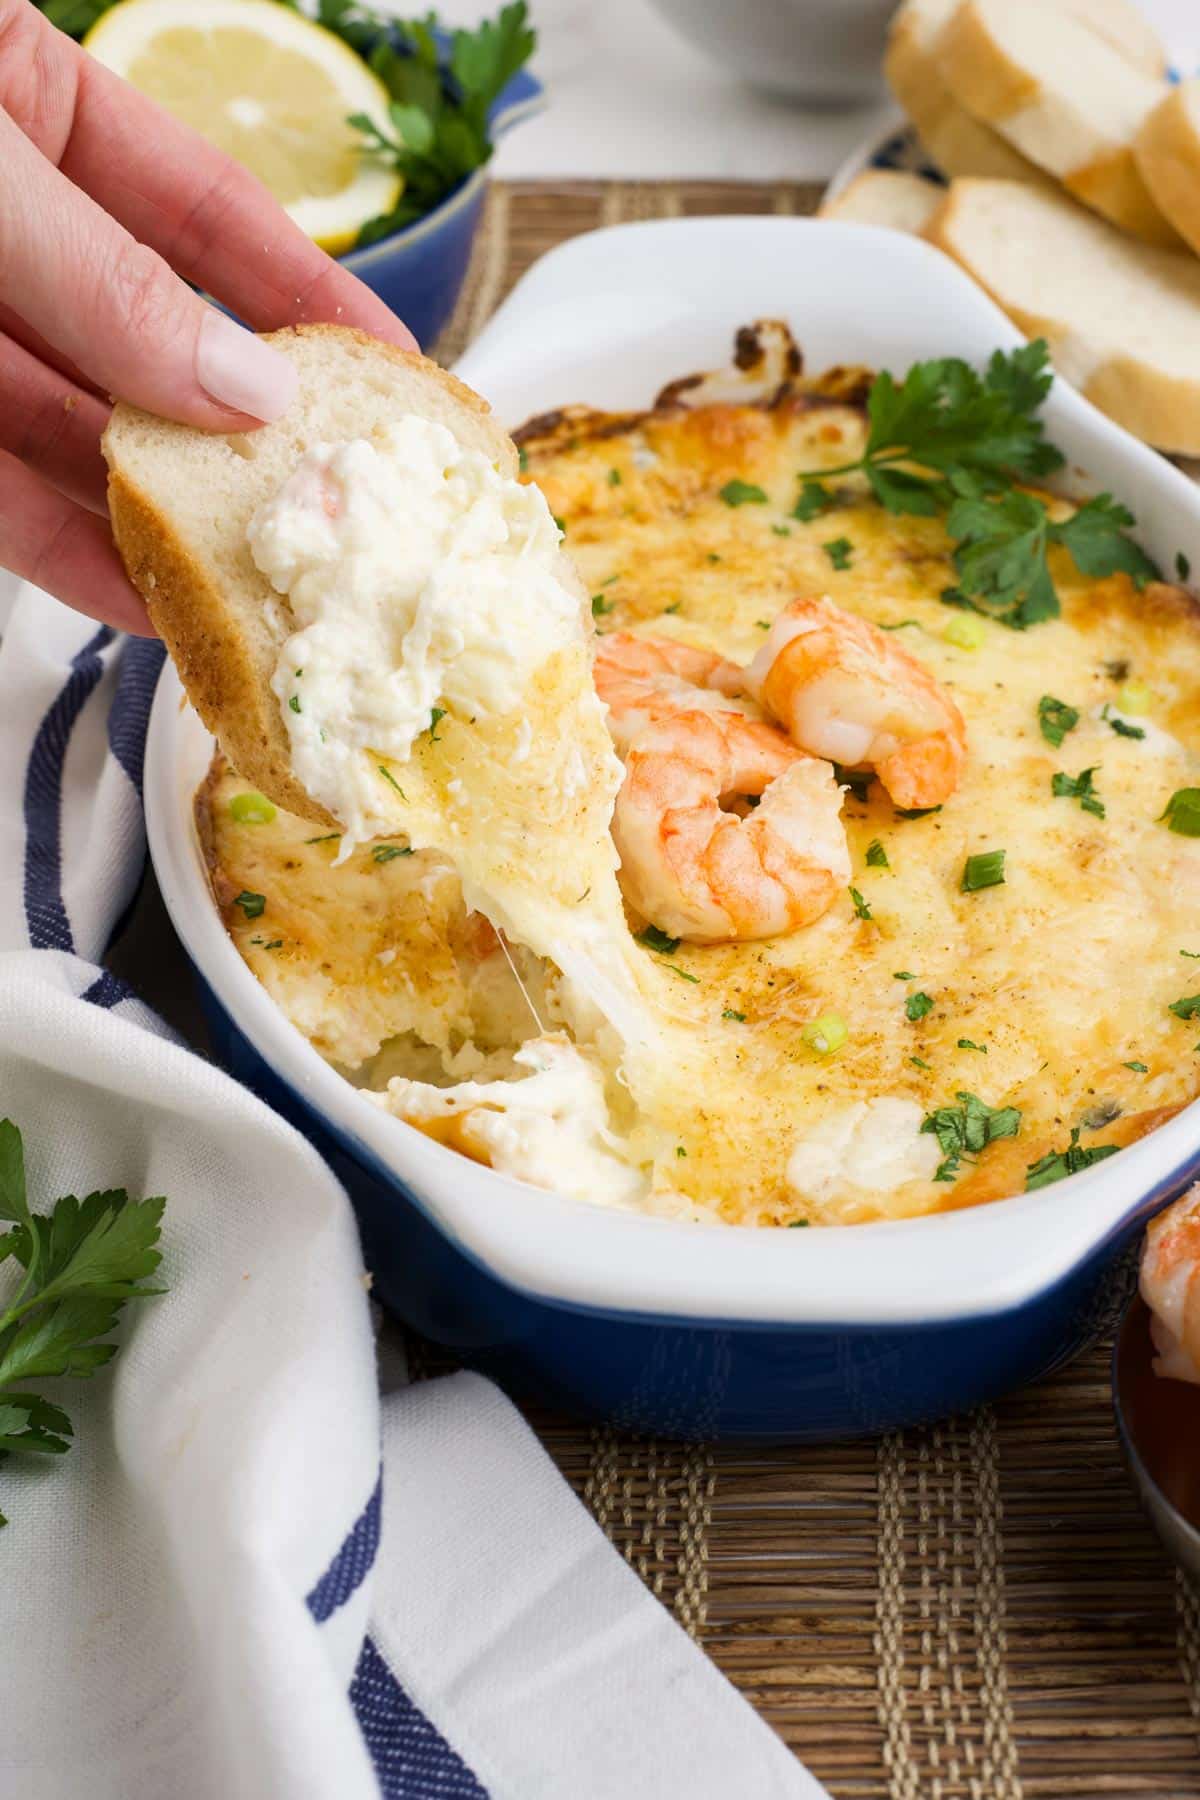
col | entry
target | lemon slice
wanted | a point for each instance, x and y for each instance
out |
(269, 87)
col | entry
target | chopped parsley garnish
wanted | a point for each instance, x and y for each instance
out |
(796, 1224)
(900, 624)
(674, 606)
(743, 493)
(1138, 1068)
(877, 855)
(968, 1128)
(861, 909)
(983, 870)
(839, 551)
(1079, 787)
(1121, 728)
(601, 605)
(814, 500)
(614, 478)
(253, 905)
(966, 1044)
(560, 522)
(682, 973)
(1187, 1008)
(917, 1062)
(857, 780)
(384, 853)
(1100, 1115)
(1056, 718)
(679, 1150)
(392, 782)
(436, 716)
(1183, 567)
(712, 557)
(1057, 1164)
(903, 975)
(738, 1017)
(916, 812)
(782, 530)
(1194, 955)
(657, 940)
(1182, 812)
(328, 837)
(294, 703)
(916, 1006)
(763, 624)
(1117, 669)
(522, 459)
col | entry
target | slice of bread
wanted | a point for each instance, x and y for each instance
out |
(1168, 155)
(957, 142)
(887, 197)
(1120, 317)
(1062, 96)
(181, 501)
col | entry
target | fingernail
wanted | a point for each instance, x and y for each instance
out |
(239, 371)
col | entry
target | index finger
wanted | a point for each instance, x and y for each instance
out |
(206, 215)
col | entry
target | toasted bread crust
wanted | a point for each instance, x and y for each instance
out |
(1168, 157)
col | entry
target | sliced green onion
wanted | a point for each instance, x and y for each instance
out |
(983, 870)
(826, 1034)
(966, 631)
(252, 809)
(1135, 697)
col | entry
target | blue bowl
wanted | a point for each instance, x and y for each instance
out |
(419, 271)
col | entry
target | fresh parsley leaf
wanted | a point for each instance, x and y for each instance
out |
(253, 905)
(877, 855)
(814, 500)
(839, 551)
(861, 909)
(1000, 559)
(742, 493)
(1079, 787)
(1095, 537)
(80, 1264)
(657, 940)
(1187, 1008)
(1057, 1164)
(968, 1128)
(983, 870)
(1182, 812)
(917, 1006)
(1056, 718)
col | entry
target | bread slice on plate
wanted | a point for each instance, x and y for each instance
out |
(181, 503)
(887, 197)
(1120, 317)
(1168, 156)
(957, 142)
(1062, 96)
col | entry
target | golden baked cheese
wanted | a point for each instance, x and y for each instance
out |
(807, 1064)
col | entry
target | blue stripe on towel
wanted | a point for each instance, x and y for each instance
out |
(352, 1564)
(108, 990)
(129, 714)
(45, 915)
(412, 1759)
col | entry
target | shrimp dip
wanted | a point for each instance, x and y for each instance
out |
(897, 749)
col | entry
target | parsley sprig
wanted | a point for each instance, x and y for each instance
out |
(966, 1129)
(439, 107)
(948, 440)
(78, 1265)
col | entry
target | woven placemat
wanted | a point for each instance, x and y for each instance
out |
(976, 1608)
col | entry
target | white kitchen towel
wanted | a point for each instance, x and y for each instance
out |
(242, 1583)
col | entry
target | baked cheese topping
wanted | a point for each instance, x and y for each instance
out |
(419, 578)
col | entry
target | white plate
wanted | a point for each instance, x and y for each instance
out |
(607, 319)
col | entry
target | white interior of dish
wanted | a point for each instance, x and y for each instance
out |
(607, 319)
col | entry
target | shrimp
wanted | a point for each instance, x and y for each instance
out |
(644, 679)
(706, 874)
(1170, 1284)
(843, 689)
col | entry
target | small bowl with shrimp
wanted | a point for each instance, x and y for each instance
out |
(905, 870)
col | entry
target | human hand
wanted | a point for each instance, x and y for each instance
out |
(108, 208)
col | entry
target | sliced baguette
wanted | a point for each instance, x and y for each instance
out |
(1168, 155)
(181, 501)
(957, 142)
(1120, 317)
(1063, 97)
(887, 197)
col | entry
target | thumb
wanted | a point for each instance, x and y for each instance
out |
(116, 309)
